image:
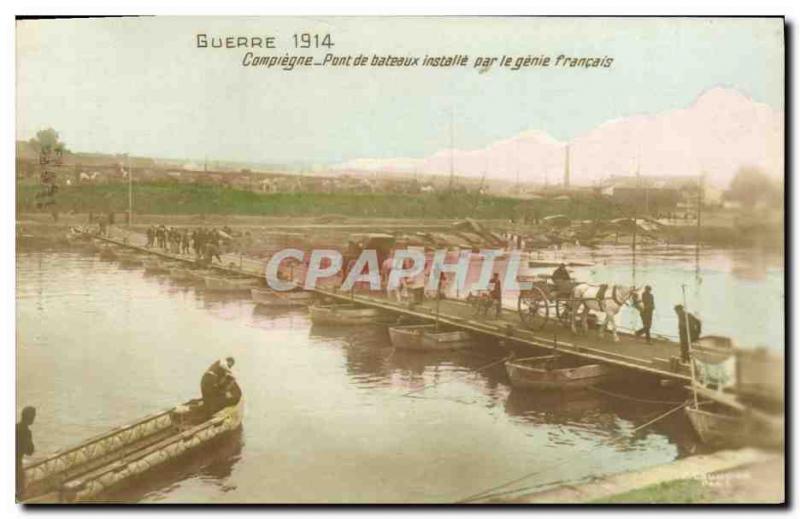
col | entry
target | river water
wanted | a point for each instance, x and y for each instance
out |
(327, 418)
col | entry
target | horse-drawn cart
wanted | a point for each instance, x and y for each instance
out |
(546, 299)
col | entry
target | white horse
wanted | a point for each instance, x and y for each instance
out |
(610, 303)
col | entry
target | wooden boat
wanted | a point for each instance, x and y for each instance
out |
(555, 372)
(230, 284)
(343, 314)
(130, 260)
(721, 419)
(268, 297)
(183, 274)
(425, 337)
(108, 253)
(107, 461)
(154, 265)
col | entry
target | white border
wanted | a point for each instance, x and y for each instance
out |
(321, 8)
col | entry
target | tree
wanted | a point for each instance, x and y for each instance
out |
(47, 141)
(752, 186)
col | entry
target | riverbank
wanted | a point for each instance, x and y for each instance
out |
(730, 476)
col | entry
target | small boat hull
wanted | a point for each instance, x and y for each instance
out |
(223, 284)
(110, 460)
(130, 260)
(343, 315)
(155, 266)
(549, 373)
(107, 253)
(720, 427)
(425, 337)
(181, 274)
(267, 297)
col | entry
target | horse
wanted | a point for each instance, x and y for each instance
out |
(610, 303)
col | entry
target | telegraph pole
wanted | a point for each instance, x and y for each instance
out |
(130, 190)
(452, 171)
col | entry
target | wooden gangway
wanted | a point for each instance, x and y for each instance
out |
(659, 359)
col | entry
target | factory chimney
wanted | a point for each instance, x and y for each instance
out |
(566, 166)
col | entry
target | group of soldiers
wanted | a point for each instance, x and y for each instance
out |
(205, 243)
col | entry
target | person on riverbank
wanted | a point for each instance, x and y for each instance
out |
(24, 446)
(496, 294)
(695, 328)
(646, 308)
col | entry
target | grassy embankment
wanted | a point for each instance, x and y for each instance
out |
(681, 491)
(199, 199)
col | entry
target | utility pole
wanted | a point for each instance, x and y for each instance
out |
(130, 190)
(697, 238)
(689, 346)
(452, 140)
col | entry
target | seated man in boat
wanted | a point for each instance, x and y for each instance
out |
(562, 280)
(218, 386)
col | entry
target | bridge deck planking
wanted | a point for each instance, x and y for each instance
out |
(630, 352)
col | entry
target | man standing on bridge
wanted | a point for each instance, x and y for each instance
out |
(686, 319)
(496, 294)
(646, 308)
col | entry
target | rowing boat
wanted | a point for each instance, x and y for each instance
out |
(555, 372)
(108, 253)
(343, 314)
(267, 297)
(230, 284)
(182, 274)
(111, 460)
(153, 265)
(129, 260)
(720, 426)
(426, 337)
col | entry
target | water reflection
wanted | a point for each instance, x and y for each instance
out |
(212, 463)
(333, 413)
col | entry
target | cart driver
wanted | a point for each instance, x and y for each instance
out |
(562, 280)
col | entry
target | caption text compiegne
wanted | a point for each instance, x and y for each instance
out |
(312, 50)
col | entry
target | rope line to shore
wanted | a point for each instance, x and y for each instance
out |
(492, 492)
(454, 379)
(631, 398)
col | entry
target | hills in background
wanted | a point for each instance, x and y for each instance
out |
(721, 132)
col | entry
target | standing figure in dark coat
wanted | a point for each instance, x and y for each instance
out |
(496, 293)
(695, 328)
(24, 440)
(646, 308)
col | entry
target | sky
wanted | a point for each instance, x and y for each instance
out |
(141, 86)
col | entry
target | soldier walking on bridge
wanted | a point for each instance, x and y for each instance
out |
(496, 294)
(646, 308)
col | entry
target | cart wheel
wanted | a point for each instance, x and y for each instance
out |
(533, 308)
(564, 311)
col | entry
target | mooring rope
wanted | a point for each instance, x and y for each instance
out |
(631, 398)
(454, 379)
(492, 492)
